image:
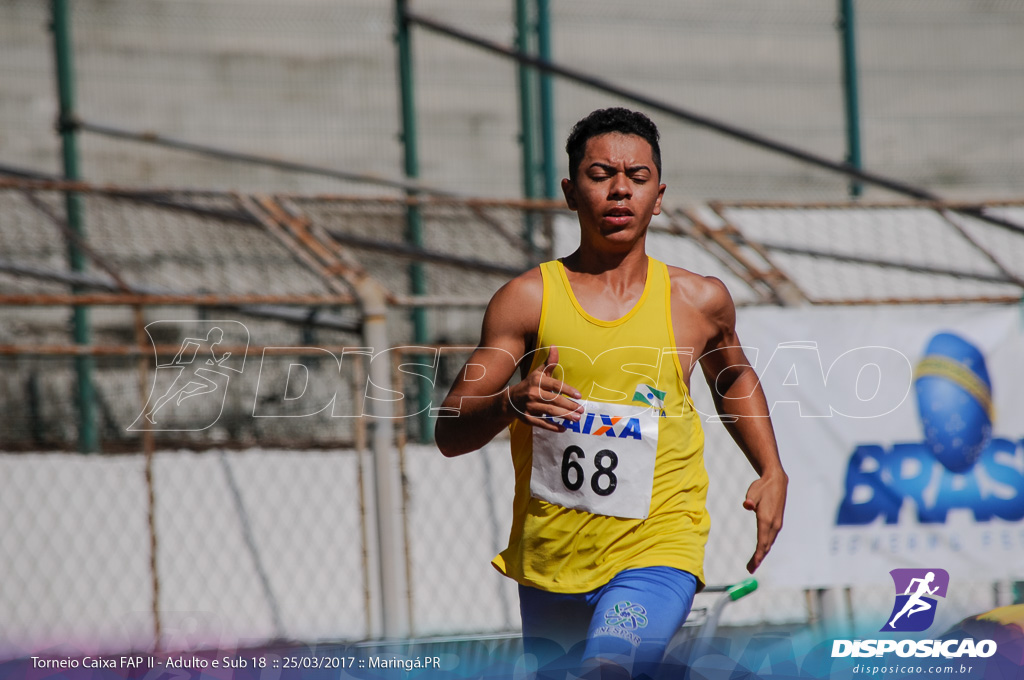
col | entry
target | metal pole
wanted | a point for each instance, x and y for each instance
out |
(414, 218)
(847, 29)
(387, 478)
(547, 103)
(527, 120)
(88, 434)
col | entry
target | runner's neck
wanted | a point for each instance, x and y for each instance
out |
(607, 294)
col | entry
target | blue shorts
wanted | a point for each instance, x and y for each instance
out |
(628, 622)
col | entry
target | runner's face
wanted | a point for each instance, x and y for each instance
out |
(616, 190)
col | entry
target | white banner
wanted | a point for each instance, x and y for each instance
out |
(901, 430)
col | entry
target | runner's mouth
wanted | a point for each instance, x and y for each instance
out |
(618, 217)
(619, 212)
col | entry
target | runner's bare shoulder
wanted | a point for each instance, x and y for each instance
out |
(704, 294)
(515, 308)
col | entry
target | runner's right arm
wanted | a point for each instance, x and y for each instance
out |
(480, 404)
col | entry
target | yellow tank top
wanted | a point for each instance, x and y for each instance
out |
(581, 512)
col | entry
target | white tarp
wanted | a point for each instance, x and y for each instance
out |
(851, 390)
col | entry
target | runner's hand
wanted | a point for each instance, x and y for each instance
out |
(541, 394)
(766, 497)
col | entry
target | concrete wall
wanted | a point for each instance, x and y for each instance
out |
(315, 80)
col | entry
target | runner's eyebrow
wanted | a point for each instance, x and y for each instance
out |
(633, 169)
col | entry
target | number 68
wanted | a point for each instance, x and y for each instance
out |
(573, 475)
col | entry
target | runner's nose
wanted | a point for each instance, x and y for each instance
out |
(620, 187)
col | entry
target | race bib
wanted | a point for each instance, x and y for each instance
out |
(603, 464)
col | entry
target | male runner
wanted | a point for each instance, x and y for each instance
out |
(609, 518)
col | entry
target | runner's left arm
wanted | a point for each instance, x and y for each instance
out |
(740, 401)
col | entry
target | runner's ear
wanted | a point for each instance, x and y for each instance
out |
(569, 190)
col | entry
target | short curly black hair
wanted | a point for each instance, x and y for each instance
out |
(603, 121)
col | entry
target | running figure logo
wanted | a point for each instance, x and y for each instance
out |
(201, 367)
(916, 590)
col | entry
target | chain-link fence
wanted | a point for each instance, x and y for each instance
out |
(216, 253)
(230, 376)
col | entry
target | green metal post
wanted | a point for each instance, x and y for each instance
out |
(414, 217)
(88, 434)
(847, 28)
(528, 135)
(527, 116)
(547, 102)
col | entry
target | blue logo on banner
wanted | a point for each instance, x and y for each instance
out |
(954, 398)
(916, 590)
(958, 465)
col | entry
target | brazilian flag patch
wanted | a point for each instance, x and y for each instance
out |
(645, 394)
